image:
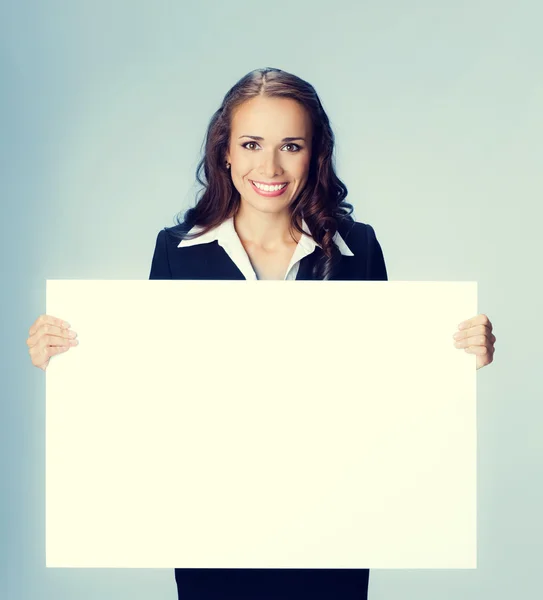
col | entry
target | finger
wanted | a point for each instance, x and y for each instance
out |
(477, 320)
(55, 340)
(41, 359)
(47, 320)
(478, 329)
(476, 350)
(50, 330)
(52, 351)
(43, 351)
(474, 340)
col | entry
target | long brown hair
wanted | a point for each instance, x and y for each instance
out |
(321, 202)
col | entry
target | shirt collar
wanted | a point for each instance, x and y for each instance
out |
(226, 234)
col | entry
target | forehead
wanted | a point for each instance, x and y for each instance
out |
(277, 117)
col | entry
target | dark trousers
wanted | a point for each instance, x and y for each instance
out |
(272, 584)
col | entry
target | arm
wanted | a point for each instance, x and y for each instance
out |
(376, 268)
(160, 266)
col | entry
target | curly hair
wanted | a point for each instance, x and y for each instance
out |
(321, 203)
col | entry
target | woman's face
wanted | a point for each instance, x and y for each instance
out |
(270, 144)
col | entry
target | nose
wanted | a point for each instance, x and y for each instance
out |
(270, 165)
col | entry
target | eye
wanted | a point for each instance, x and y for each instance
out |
(295, 147)
(247, 144)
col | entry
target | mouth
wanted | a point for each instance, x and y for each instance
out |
(269, 190)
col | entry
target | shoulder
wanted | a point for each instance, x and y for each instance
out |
(357, 235)
(178, 230)
(167, 240)
(368, 262)
(169, 261)
(171, 236)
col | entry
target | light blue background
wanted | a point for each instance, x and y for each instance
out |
(437, 110)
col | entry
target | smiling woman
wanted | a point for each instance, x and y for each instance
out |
(271, 207)
(273, 135)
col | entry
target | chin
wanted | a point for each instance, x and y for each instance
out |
(266, 205)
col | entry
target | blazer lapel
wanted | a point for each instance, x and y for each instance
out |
(307, 263)
(221, 263)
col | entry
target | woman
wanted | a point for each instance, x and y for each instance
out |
(272, 207)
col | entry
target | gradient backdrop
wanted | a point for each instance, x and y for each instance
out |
(437, 110)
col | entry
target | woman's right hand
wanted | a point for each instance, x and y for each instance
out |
(49, 336)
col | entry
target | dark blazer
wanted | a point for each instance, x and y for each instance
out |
(210, 261)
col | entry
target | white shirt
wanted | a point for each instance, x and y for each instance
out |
(228, 238)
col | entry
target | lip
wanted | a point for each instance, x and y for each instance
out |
(269, 194)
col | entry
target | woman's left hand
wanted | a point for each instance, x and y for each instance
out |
(476, 337)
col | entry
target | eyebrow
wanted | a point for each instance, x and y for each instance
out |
(260, 139)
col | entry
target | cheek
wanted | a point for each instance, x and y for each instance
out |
(242, 163)
(303, 167)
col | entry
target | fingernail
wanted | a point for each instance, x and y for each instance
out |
(66, 325)
(461, 326)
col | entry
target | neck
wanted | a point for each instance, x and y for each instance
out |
(268, 231)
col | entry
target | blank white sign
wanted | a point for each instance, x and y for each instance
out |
(261, 424)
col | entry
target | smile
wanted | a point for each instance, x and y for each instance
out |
(269, 190)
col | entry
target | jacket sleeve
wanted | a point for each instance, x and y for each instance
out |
(160, 266)
(376, 268)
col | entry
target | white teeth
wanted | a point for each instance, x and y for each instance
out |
(269, 188)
